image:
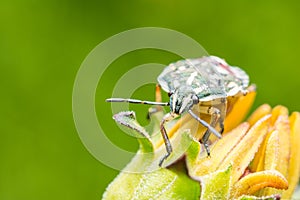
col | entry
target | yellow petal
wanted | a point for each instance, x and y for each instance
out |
(258, 163)
(280, 121)
(219, 151)
(272, 151)
(277, 111)
(258, 180)
(245, 150)
(283, 128)
(251, 197)
(237, 108)
(260, 112)
(293, 170)
(259, 158)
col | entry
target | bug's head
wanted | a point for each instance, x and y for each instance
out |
(181, 102)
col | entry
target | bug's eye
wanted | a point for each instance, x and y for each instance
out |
(195, 99)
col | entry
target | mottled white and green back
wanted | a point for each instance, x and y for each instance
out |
(208, 77)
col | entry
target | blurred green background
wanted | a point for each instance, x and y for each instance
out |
(43, 43)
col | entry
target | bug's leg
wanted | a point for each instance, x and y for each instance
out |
(221, 123)
(164, 134)
(218, 116)
(205, 124)
(223, 111)
(215, 113)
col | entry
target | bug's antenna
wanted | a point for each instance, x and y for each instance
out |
(204, 123)
(137, 101)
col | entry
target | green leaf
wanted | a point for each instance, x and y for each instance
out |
(162, 184)
(128, 120)
(215, 185)
(192, 152)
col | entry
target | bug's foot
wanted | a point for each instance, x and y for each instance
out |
(222, 129)
(206, 146)
(163, 159)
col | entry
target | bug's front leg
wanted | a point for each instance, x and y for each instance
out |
(215, 113)
(164, 134)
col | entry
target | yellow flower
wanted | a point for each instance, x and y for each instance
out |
(256, 159)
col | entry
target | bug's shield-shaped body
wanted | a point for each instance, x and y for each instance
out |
(208, 77)
(208, 81)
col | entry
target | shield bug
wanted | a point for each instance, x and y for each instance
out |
(206, 82)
